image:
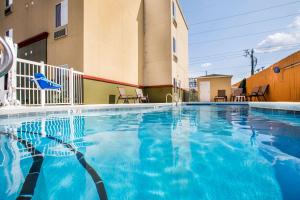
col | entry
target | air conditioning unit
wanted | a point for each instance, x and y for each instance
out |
(175, 58)
(175, 22)
(63, 32)
(8, 10)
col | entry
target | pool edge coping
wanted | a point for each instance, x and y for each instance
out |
(19, 111)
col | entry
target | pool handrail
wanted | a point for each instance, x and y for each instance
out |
(8, 57)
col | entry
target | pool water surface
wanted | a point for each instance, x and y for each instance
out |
(186, 152)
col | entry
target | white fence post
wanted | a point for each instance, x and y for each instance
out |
(71, 86)
(43, 92)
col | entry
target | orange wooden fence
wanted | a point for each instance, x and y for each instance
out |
(284, 86)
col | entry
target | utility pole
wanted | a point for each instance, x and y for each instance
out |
(250, 53)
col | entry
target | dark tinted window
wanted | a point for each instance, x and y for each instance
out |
(58, 15)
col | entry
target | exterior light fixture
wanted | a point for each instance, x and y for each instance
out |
(276, 70)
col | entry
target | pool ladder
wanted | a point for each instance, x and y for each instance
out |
(7, 56)
(175, 97)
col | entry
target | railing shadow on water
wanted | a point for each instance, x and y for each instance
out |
(47, 137)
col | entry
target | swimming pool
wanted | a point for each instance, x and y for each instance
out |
(186, 152)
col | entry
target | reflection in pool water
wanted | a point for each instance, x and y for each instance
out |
(188, 152)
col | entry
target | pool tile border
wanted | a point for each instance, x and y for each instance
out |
(22, 112)
(276, 111)
(17, 112)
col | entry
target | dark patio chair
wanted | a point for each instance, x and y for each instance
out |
(254, 93)
(221, 96)
(236, 93)
(124, 96)
(262, 92)
(140, 96)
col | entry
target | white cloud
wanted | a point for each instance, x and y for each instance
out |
(206, 64)
(296, 23)
(278, 41)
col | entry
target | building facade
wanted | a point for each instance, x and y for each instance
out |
(127, 43)
(209, 85)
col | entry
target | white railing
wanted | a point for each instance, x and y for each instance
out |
(30, 95)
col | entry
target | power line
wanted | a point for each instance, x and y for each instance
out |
(217, 60)
(235, 37)
(238, 51)
(245, 13)
(213, 55)
(216, 57)
(242, 25)
(230, 67)
(220, 68)
(295, 46)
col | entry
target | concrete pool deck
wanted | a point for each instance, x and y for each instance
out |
(26, 111)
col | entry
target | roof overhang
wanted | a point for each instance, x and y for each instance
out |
(210, 77)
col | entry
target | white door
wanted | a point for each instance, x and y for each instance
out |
(205, 91)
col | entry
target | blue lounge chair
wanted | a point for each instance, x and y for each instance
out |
(44, 84)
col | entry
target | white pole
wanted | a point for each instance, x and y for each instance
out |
(43, 95)
(71, 85)
(12, 78)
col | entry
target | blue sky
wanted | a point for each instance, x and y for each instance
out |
(215, 47)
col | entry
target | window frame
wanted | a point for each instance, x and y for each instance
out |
(174, 45)
(58, 15)
(174, 10)
(8, 3)
(62, 19)
(9, 33)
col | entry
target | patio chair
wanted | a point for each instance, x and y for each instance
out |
(262, 92)
(221, 96)
(238, 95)
(140, 96)
(124, 96)
(44, 84)
(254, 93)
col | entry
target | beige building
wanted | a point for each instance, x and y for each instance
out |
(209, 85)
(128, 43)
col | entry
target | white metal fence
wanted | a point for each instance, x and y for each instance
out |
(30, 95)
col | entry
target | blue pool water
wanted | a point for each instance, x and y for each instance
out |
(188, 153)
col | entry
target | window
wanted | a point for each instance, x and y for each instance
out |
(174, 45)
(61, 14)
(8, 3)
(9, 33)
(58, 15)
(173, 9)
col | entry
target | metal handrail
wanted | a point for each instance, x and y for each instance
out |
(7, 57)
(173, 98)
(169, 95)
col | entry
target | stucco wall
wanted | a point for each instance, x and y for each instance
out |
(157, 68)
(113, 34)
(40, 17)
(96, 92)
(284, 86)
(222, 83)
(181, 67)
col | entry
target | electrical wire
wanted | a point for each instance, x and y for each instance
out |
(242, 25)
(235, 37)
(244, 13)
